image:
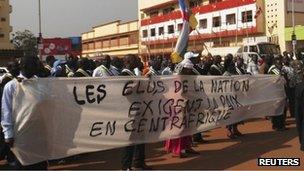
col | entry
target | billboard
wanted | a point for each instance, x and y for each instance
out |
(299, 5)
(56, 46)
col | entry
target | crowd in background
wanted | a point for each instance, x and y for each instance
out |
(131, 65)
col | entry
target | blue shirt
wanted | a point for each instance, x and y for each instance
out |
(7, 121)
(7, 108)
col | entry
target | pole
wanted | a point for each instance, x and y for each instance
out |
(237, 27)
(40, 34)
(139, 39)
(220, 33)
(149, 45)
(294, 41)
(246, 17)
(163, 34)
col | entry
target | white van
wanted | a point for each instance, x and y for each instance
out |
(222, 51)
(258, 49)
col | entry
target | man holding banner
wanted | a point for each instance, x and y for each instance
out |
(28, 67)
(278, 122)
(134, 151)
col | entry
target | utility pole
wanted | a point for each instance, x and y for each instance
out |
(237, 27)
(40, 44)
(293, 37)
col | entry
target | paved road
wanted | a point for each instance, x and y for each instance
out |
(219, 153)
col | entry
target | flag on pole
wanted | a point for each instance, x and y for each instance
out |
(189, 24)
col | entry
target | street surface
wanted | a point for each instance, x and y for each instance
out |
(218, 154)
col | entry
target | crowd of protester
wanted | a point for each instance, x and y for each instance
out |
(131, 65)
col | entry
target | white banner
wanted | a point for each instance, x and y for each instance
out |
(56, 118)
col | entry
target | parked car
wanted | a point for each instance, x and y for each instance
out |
(222, 51)
(258, 49)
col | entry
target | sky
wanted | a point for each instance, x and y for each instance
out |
(67, 18)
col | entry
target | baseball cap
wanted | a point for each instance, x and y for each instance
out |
(190, 55)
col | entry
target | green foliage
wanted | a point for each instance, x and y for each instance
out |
(25, 41)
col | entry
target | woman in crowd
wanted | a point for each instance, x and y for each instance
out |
(181, 147)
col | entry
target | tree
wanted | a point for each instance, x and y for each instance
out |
(25, 41)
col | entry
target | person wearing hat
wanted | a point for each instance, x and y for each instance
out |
(181, 147)
(191, 61)
(188, 64)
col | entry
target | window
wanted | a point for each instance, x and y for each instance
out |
(253, 49)
(168, 10)
(91, 46)
(230, 19)
(214, 1)
(247, 16)
(106, 43)
(269, 48)
(218, 43)
(133, 39)
(98, 45)
(203, 24)
(171, 29)
(161, 31)
(124, 40)
(85, 46)
(153, 32)
(154, 13)
(245, 48)
(145, 33)
(216, 21)
(195, 3)
(114, 42)
(3, 19)
(180, 27)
